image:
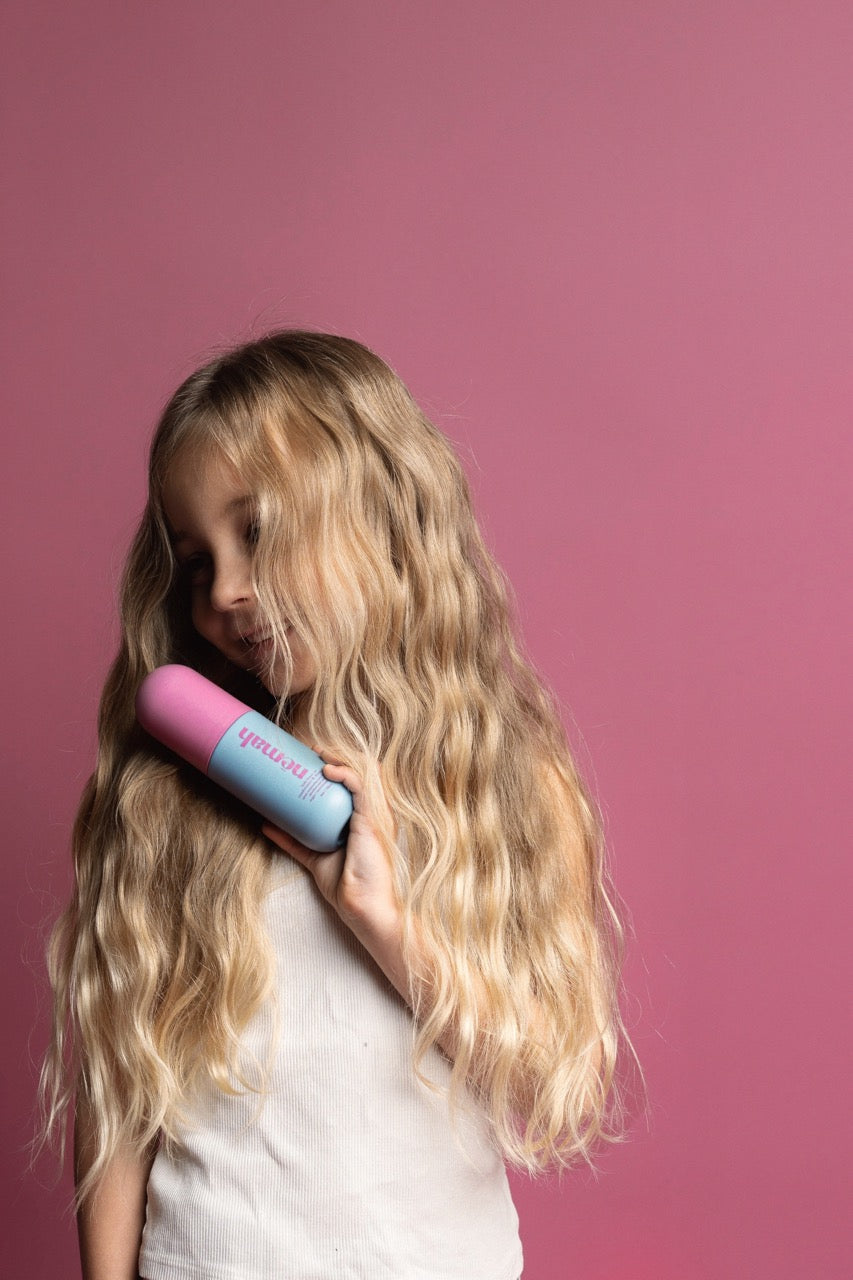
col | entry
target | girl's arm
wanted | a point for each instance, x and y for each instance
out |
(111, 1218)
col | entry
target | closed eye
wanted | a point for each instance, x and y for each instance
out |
(195, 570)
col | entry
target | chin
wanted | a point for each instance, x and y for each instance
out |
(279, 688)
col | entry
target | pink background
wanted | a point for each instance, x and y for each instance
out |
(608, 244)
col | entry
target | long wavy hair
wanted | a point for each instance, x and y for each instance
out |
(368, 547)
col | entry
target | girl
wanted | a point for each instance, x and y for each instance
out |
(315, 1066)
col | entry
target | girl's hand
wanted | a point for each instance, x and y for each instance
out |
(357, 879)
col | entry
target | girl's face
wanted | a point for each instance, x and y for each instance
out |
(212, 524)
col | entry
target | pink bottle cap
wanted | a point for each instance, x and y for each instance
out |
(186, 712)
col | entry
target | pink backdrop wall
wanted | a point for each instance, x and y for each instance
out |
(609, 246)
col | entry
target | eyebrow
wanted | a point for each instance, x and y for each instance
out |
(236, 504)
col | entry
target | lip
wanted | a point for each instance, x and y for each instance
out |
(253, 639)
(260, 641)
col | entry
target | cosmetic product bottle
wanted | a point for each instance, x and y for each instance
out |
(244, 752)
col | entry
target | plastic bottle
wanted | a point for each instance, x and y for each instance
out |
(270, 770)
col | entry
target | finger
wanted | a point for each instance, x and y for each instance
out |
(343, 773)
(354, 784)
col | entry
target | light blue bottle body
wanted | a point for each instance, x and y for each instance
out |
(280, 777)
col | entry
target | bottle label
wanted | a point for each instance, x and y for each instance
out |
(282, 779)
(314, 782)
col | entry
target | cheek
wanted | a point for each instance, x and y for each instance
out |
(302, 656)
(201, 617)
(306, 667)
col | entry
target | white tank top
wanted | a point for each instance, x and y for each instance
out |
(349, 1169)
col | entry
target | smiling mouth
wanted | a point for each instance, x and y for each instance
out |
(257, 647)
(261, 642)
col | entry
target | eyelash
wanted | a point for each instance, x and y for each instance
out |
(194, 568)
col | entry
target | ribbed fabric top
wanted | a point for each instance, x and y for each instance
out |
(349, 1169)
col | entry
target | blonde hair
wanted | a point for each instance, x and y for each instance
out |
(369, 548)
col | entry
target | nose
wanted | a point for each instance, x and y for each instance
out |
(231, 587)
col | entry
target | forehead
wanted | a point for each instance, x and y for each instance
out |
(200, 489)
